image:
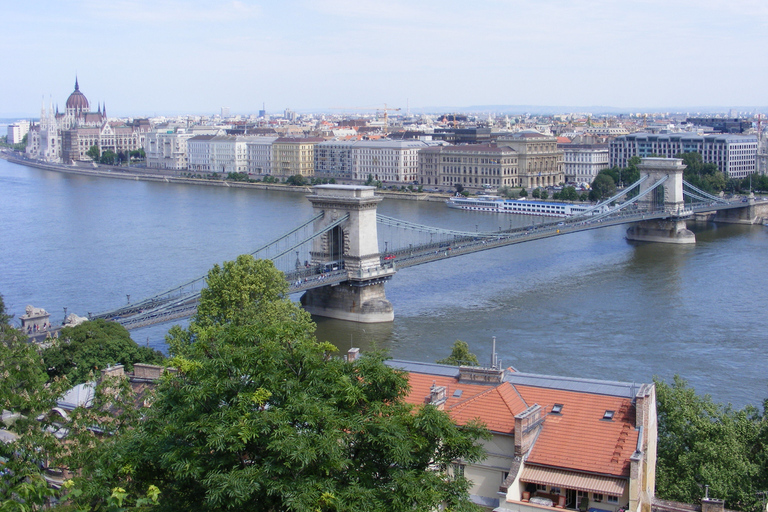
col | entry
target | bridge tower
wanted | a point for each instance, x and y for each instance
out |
(352, 245)
(667, 196)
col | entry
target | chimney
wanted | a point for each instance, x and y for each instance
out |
(526, 424)
(712, 505)
(147, 371)
(353, 354)
(113, 371)
(437, 396)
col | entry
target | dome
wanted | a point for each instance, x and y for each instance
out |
(77, 99)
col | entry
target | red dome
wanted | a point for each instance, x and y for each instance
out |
(77, 99)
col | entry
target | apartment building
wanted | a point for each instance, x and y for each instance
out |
(259, 155)
(582, 162)
(391, 162)
(734, 155)
(167, 149)
(293, 156)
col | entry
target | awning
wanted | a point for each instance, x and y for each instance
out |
(571, 480)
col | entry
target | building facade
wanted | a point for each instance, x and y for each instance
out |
(582, 162)
(476, 167)
(293, 156)
(259, 155)
(540, 162)
(734, 155)
(390, 162)
(167, 149)
(557, 443)
(17, 131)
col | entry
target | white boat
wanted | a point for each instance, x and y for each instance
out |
(496, 204)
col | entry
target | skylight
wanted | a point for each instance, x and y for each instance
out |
(557, 408)
(608, 415)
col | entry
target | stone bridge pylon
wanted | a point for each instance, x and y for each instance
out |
(354, 247)
(667, 196)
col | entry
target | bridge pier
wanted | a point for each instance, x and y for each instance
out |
(667, 196)
(354, 245)
(752, 213)
(667, 231)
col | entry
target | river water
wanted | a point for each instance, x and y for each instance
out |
(589, 304)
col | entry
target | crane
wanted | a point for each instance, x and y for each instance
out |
(386, 111)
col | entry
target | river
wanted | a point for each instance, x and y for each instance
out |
(589, 304)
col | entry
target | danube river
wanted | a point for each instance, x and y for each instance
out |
(584, 305)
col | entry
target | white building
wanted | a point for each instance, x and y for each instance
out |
(167, 149)
(734, 155)
(582, 162)
(391, 162)
(259, 155)
(218, 153)
(17, 131)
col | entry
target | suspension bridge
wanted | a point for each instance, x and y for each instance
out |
(335, 259)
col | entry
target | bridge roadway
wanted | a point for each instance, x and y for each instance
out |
(185, 305)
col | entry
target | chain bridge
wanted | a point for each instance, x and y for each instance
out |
(336, 260)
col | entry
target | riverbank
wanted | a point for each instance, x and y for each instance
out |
(168, 176)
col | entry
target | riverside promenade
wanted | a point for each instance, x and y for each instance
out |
(170, 176)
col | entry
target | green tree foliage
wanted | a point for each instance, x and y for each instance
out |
(92, 346)
(569, 194)
(704, 443)
(460, 355)
(93, 152)
(704, 176)
(523, 192)
(297, 180)
(536, 194)
(109, 158)
(603, 187)
(260, 416)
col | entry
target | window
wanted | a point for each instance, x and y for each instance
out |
(554, 490)
(458, 470)
(613, 499)
(541, 487)
(608, 415)
(597, 497)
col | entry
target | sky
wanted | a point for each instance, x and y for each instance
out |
(166, 57)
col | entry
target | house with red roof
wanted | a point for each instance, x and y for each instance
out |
(558, 442)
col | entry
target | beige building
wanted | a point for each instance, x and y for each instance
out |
(476, 167)
(293, 156)
(540, 163)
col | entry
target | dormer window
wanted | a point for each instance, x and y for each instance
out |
(608, 415)
(557, 408)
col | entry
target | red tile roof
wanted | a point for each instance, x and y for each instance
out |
(577, 439)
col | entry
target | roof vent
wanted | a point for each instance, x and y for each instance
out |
(457, 393)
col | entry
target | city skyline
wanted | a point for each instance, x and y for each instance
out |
(167, 57)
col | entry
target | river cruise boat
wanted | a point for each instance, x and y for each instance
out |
(496, 204)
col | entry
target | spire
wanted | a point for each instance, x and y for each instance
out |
(77, 87)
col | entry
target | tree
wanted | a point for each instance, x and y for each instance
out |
(459, 188)
(523, 192)
(703, 443)
(603, 187)
(569, 194)
(296, 180)
(108, 158)
(93, 346)
(704, 176)
(536, 194)
(261, 416)
(460, 355)
(93, 152)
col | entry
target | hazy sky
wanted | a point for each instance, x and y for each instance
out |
(191, 56)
